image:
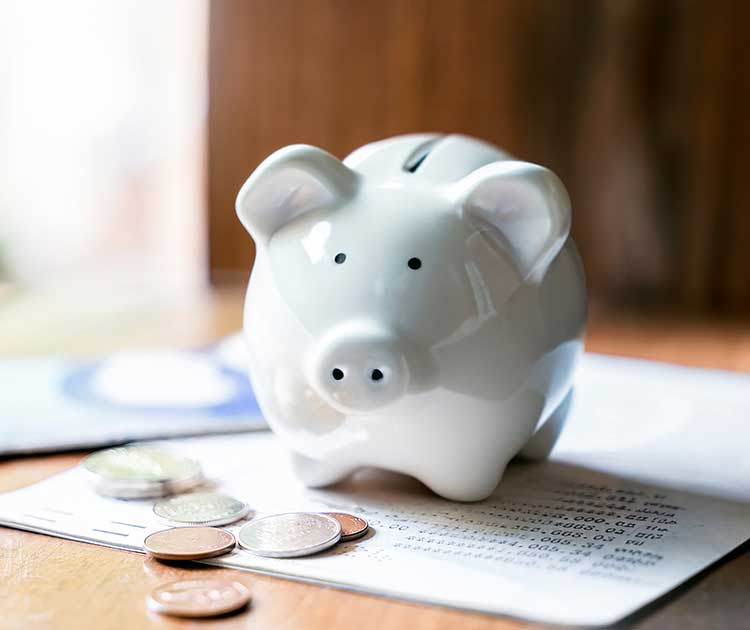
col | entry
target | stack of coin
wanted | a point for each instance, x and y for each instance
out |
(141, 472)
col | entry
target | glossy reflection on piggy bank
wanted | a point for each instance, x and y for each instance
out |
(417, 307)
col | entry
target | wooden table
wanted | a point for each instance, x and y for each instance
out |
(51, 583)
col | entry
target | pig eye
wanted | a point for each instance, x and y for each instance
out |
(414, 263)
(339, 258)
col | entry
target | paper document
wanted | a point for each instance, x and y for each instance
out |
(56, 403)
(573, 541)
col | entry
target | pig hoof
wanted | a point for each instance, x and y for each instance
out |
(465, 489)
(540, 444)
(315, 474)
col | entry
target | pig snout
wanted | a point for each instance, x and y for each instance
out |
(358, 367)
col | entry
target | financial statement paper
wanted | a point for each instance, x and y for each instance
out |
(647, 486)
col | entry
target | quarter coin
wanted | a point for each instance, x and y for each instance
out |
(352, 527)
(198, 598)
(189, 543)
(201, 508)
(290, 535)
(141, 464)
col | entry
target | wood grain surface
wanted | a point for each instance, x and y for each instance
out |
(51, 583)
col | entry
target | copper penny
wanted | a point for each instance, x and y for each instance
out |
(189, 543)
(198, 598)
(352, 527)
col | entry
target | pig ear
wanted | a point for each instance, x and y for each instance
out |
(292, 181)
(523, 208)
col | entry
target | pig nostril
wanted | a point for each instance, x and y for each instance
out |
(337, 374)
(376, 375)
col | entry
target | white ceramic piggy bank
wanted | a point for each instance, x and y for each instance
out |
(417, 307)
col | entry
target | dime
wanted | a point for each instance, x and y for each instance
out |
(352, 527)
(290, 535)
(140, 464)
(201, 508)
(189, 543)
(198, 598)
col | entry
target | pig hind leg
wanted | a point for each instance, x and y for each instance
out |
(316, 474)
(540, 444)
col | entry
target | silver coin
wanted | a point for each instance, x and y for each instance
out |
(126, 492)
(145, 490)
(140, 464)
(290, 535)
(201, 508)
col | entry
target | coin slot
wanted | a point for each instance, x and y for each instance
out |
(412, 168)
(419, 155)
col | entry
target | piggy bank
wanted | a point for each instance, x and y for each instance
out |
(417, 307)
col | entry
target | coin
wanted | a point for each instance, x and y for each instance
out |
(201, 508)
(290, 535)
(189, 543)
(140, 464)
(145, 490)
(140, 472)
(198, 598)
(352, 527)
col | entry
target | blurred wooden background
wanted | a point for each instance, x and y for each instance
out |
(641, 106)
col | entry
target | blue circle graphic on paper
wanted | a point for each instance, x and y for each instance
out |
(79, 385)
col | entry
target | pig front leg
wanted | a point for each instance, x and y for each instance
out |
(469, 482)
(316, 474)
(540, 444)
